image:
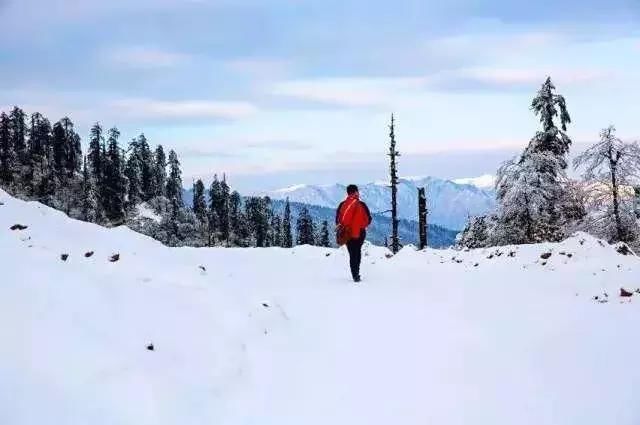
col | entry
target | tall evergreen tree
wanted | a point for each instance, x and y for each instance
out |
(174, 181)
(95, 156)
(39, 154)
(114, 181)
(305, 228)
(235, 215)
(159, 171)
(133, 172)
(146, 168)
(287, 236)
(18, 128)
(89, 198)
(323, 237)
(276, 229)
(59, 149)
(199, 200)
(6, 149)
(223, 213)
(73, 148)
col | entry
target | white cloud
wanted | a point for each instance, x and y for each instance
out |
(145, 57)
(151, 108)
(349, 92)
(529, 76)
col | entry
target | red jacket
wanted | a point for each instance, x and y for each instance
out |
(354, 214)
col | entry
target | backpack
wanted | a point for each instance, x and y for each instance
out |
(343, 234)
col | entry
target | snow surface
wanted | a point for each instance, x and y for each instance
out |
(275, 336)
(144, 211)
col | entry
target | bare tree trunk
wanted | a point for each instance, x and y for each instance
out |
(613, 163)
(422, 218)
(393, 154)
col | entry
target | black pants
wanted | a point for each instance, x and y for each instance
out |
(354, 246)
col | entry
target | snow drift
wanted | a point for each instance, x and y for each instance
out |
(533, 334)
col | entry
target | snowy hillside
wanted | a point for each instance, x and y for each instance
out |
(449, 203)
(270, 336)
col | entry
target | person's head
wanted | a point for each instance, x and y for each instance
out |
(352, 189)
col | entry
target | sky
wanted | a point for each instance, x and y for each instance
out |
(280, 92)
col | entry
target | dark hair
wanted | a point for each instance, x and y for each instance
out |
(351, 189)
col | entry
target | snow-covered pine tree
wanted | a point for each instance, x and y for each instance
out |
(114, 180)
(133, 173)
(18, 129)
(531, 190)
(276, 229)
(287, 236)
(235, 219)
(38, 154)
(146, 168)
(323, 237)
(159, 171)
(89, 196)
(610, 168)
(95, 154)
(174, 180)
(6, 150)
(223, 212)
(305, 228)
(73, 148)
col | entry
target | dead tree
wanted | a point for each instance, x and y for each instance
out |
(393, 154)
(422, 218)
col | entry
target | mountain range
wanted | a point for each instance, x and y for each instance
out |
(450, 203)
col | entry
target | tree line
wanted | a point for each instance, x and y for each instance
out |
(538, 202)
(112, 185)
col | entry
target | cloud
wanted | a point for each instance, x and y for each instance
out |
(151, 108)
(347, 92)
(145, 57)
(259, 67)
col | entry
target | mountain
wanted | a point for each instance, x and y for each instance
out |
(449, 203)
(188, 336)
(380, 229)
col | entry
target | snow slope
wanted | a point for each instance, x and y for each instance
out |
(450, 203)
(273, 336)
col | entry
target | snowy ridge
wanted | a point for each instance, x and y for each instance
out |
(509, 335)
(450, 203)
(486, 181)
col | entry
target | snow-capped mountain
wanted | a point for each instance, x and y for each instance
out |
(450, 203)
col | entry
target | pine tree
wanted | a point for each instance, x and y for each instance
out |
(223, 213)
(95, 156)
(159, 171)
(393, 154)
(18, 129)
(38, 154)
(305, 228)
(531, 190)
(276, 229)
(235, 219)
(114, 181)
(287, 236)
(199, 200)
(323, 238)
(89, 198)
(174, 181)
(72, 148)
(146, 168)
(59, 149)
(133, 172)
(6, 150)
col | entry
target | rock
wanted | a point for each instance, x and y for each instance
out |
(150, 347)
(476, 265)
(114, 258)
(512, 253)
(88, 254)
(545, 255)
(490, 257)
(64, 257)
(265, 305)
(327, 254)
(202, 268)
(388, 255)
(625, 293)
(569, 255)
(18, 227)
(623, 249)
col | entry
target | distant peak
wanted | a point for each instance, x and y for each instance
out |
(291, 188)
(486, 181)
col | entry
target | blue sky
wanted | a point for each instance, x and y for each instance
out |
(288, 91)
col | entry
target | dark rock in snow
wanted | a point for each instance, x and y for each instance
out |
(625, 293)
(64, 257)
(202, 268)
(265, 305)
(327, 254)
(88, 254)
(150, 347)
(623, 249)
(18, 227)
(569, 255)
(512, 253)
(545, 255)
(114, 258)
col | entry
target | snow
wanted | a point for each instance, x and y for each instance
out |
(276, 336)
(144, 211)
(486, 181)
(291, 188)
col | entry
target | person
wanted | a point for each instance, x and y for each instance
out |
(354, 215)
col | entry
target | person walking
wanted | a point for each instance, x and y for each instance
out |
(352, 219)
